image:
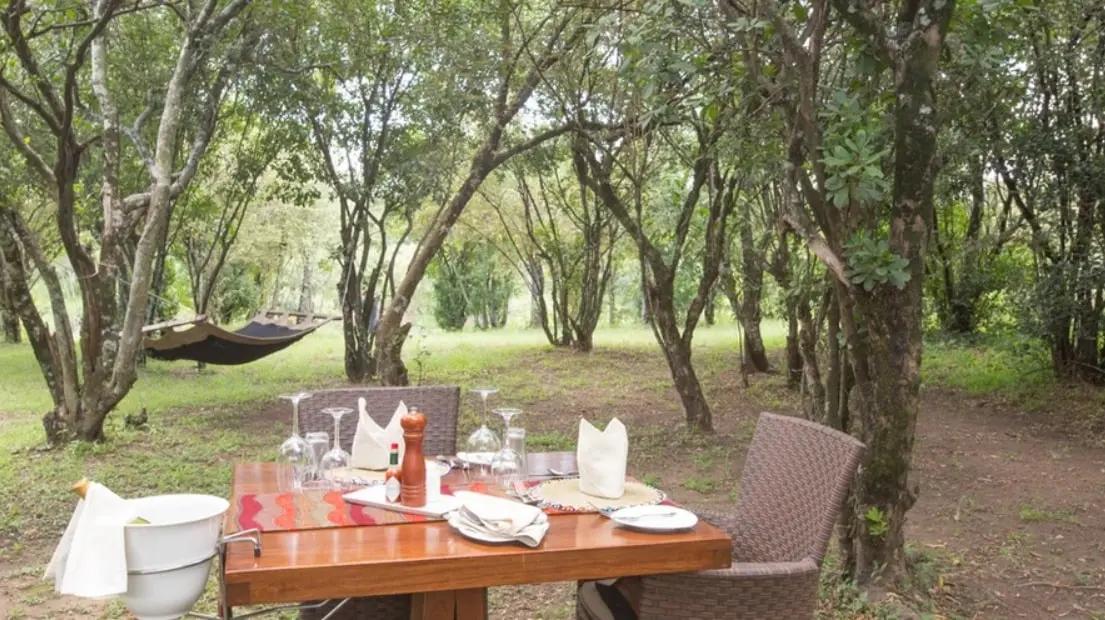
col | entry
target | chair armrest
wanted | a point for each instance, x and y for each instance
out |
(745, 591)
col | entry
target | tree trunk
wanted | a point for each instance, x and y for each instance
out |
(612, 318)
(678, 356)
(708, 313)
(752, 283)
(306, 286)
(887, 352)
(814, 399)
(537, 314)
(9, 318)
(887, 403)
(794, 353)
(833, 381)
(354, 327)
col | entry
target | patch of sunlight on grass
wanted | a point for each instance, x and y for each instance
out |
(983, 369)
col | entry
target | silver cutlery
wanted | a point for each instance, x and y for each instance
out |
(562, 474)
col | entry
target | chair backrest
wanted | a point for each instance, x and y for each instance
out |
(795, 480)
(440, 403)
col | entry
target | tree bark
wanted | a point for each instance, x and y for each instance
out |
(752, 283)
(306, 286)
(9, 318)
(794, 353)
(814, 399)
(537, 314)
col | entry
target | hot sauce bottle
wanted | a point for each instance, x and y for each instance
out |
(412, 477)
(392, 486)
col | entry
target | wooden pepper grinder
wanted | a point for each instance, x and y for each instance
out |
(413, 474)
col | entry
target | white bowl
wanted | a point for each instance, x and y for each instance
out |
(168, 595)
(169, 559)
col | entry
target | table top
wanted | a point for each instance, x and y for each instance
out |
(339, 562)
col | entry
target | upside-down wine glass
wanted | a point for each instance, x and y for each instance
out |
(295, 453)
(336, 457)
(507, 414)
(509, 465)
(483, 443)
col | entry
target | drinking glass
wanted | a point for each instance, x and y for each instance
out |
(483, 443)
(294, 456)
(319, 441)
(509, 464)
(336, 457)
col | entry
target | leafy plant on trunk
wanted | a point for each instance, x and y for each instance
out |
(873, 247)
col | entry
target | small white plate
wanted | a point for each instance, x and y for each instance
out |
(476, 458)
(655, 518)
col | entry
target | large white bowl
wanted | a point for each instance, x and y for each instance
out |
(169, 559)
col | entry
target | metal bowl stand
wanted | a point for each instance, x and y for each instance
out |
(252, 536)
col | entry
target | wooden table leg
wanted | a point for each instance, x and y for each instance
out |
(472, 604)
(434, 606)
(450, 605)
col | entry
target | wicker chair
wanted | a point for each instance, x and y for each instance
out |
(795, 480)
(441, 404)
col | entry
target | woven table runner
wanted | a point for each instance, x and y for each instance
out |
(315, 509)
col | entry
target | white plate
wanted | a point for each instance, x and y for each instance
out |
(476, 458)
(655, 518)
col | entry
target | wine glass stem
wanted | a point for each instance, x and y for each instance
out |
(295, 418)
(337, 429)
(484, 398)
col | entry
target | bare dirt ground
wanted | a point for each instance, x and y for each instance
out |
(1010, 511)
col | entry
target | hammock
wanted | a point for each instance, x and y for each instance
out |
(211, 344)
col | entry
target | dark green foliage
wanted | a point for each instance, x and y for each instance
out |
(470, 280)
(450, 305)
(238, 293)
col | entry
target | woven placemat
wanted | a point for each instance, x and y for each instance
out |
(564, 494)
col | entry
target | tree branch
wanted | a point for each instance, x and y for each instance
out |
(522, 147)
(817, 244)
(866, 23)
(34, 160)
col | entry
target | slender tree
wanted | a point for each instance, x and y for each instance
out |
(52, 98)
(526, 45)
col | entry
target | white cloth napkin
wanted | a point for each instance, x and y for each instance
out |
(601, 458)
(372, 444)
(499, 519)
(91, 559)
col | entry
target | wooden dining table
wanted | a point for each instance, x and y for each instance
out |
(447, 573)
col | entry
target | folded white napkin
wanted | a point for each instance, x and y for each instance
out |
(500, 519)
(372, 444)
(601, 458)
(91, 559)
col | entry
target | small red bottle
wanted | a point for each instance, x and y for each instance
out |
(392, 485)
